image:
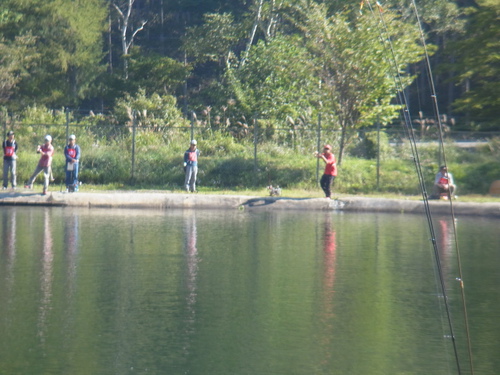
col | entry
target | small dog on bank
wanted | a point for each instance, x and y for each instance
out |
(274, 191)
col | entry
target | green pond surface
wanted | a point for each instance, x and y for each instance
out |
(88, 291)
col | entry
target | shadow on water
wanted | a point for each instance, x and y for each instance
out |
(264, 201)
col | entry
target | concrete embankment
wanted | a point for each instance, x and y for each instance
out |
(165, 200)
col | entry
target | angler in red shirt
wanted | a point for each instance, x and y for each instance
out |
(330, 169)
(443, 184)
(45, 163)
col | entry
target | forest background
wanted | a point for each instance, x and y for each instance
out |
(261, 83)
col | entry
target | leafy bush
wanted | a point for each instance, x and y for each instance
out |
(151, 111)
(368, 146)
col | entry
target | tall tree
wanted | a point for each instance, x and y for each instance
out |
(128, 29)
(69, 40)
(278, 80)
(478, 62)
(214, 40)
(16, 58)
(357, 70)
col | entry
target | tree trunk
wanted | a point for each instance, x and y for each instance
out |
(252, 33)
(125, 17)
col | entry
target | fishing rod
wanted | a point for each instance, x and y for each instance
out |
(440, 132)
(410, 133)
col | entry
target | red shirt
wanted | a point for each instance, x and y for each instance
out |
(46, 160)
(331, 164)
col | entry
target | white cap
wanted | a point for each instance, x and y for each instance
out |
(193, 142)
(72, 136)
(48, 138)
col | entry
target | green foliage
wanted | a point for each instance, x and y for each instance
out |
(269, 57)
(477, 60)
(155, 73)
(105, 164)
(214, 39)
(220, 144)
(372, 144)
(277, 79)
(69, 43)
(151, 110)
(356, 70)
(42, 115)
(16, 57)
(360, 176)
(477, 179)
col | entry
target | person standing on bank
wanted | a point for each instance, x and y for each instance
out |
(72, 155)
(9, 160)
(191, 166)
(45, 163)
(330, 169)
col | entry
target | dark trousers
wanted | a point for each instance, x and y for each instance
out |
(326, 184)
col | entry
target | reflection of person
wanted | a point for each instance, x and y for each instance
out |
(191, 165)
(443, 183)
(9, 160)
(47, 151)
(72, 155)
(330, 169)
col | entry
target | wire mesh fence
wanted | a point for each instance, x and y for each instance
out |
(238, 155)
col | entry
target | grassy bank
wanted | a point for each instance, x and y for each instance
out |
(229, 165)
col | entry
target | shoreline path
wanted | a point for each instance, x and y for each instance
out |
(168, 200)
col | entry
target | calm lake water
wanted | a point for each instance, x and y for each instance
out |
(238, 292)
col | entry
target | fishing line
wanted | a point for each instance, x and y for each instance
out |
(410, 133)
(440, 132)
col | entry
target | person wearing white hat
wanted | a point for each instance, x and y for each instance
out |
(72, 155)
(191, 166)
(45, 164)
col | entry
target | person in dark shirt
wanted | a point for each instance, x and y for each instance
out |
(9, 160)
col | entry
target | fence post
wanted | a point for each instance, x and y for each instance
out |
(318, 145)
(133, 145)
